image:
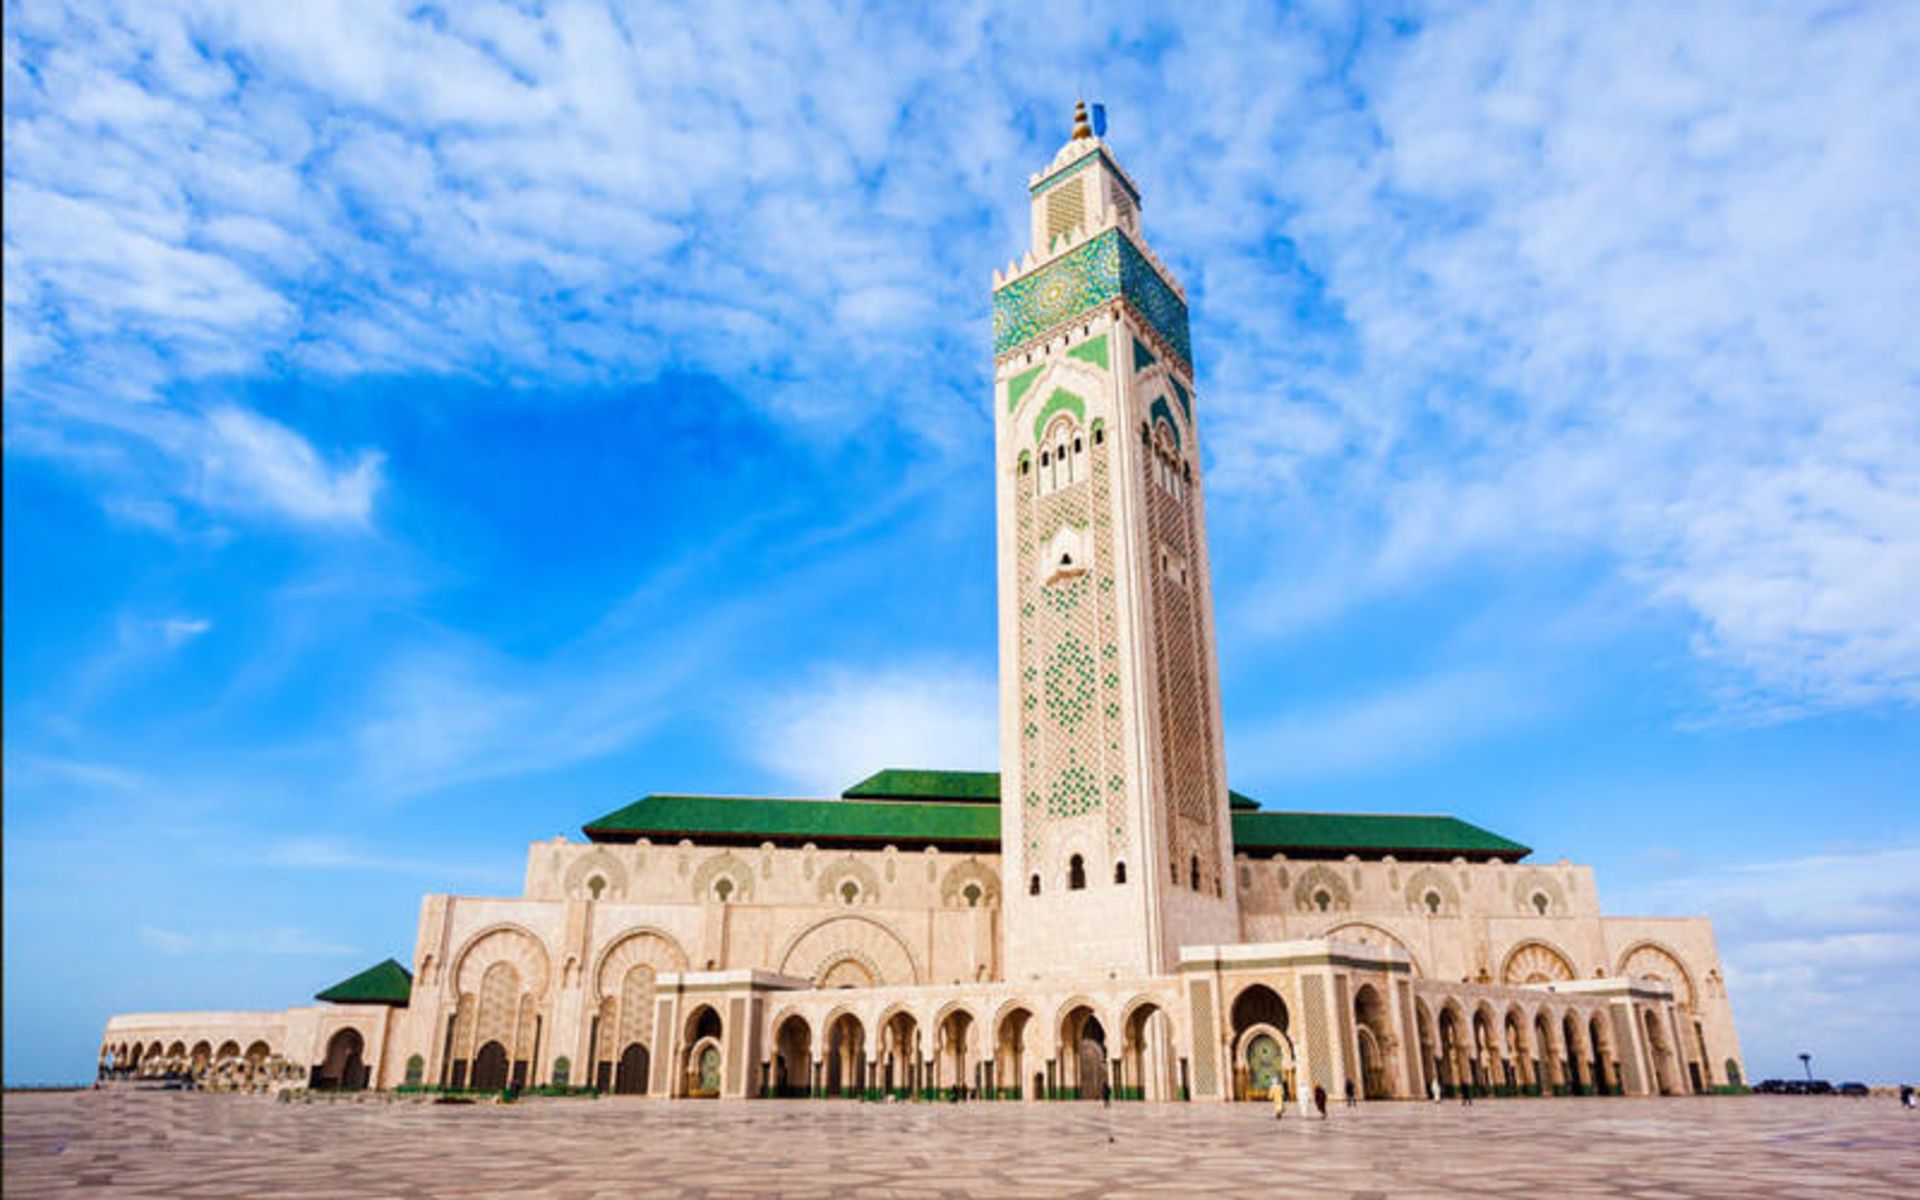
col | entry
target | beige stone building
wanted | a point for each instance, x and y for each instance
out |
(1102, 914)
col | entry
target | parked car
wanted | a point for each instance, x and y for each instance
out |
(1771, 1087)
(1853, 1089)
(1820, 1087)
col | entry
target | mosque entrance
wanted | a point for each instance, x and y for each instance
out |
(490, 1068)
(631, 1077)
(707, 1082)
(342, 1069)
(1265, 1064)
(1092, 1054)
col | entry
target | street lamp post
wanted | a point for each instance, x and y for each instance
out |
(1806, 1061)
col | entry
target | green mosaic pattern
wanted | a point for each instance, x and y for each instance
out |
(1074, 790)
(1069, 689)
(1103, 268)
(1018, 385)
(1062, 400)
(1186, 401)
(1093, 350)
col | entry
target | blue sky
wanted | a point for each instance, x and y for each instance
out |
(429, 427)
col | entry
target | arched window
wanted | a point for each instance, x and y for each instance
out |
(1323, 899)
(1076, 874)
(1432, 901)
(1193, 872)
(1119, 872)
(972, 895)
(595, 886)
(1540, 903)
(849, 891)
(1033, 886)
(722, 888)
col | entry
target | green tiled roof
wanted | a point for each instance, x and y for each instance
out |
(382, 983)
(741, 820)
(961, 810)
(1368, 833)
(977, 787)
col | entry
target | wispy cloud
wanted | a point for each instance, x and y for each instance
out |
(325, 853)
(1822, 955)
(1396, 727)
(280, 941)
(1637, 285)
(1486, 284)
(25, 769)
(845, 723)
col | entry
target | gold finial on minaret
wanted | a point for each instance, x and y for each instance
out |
(1080, 127)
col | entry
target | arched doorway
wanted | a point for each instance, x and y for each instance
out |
(1429, 1059)
(1374, 1032)
(846, 1056)
(1546, 1071)
(900, 1041)
(489, 1068)
(630, 1077)
(1604, 1077)
(1263, 1050)
(1147, 1054)
(1516, 1064)
(956, 1041)
(1010, 1054)
(793, 1058)
(701, 1069)
(1577, 1079)
(342, 1069)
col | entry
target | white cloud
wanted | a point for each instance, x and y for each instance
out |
(178, 631)
(1640, 284)
(1400, 726)
(847, 723)
(251, 461)
(1822, 955)
(288, 941)
(323, 853)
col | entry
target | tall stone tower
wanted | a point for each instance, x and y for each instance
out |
(1116, 847)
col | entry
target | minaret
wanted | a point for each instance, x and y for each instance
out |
(1116, 847)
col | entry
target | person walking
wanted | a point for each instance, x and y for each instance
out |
(1466, 1095)
(1351, 1100)
(1433, 1089)
(1320, 1101)
(1278, 1094)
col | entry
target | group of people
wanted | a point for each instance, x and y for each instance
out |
(1279, 1094)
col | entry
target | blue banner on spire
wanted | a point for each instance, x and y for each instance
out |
(1099, 120)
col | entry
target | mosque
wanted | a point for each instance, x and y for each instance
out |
(1101, 916)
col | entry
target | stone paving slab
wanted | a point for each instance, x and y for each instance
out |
(180, 1145)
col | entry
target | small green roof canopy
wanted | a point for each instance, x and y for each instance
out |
(382, 983)
(967, 787)
(960, 810)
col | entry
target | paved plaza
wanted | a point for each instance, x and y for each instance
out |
(177, 1145)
